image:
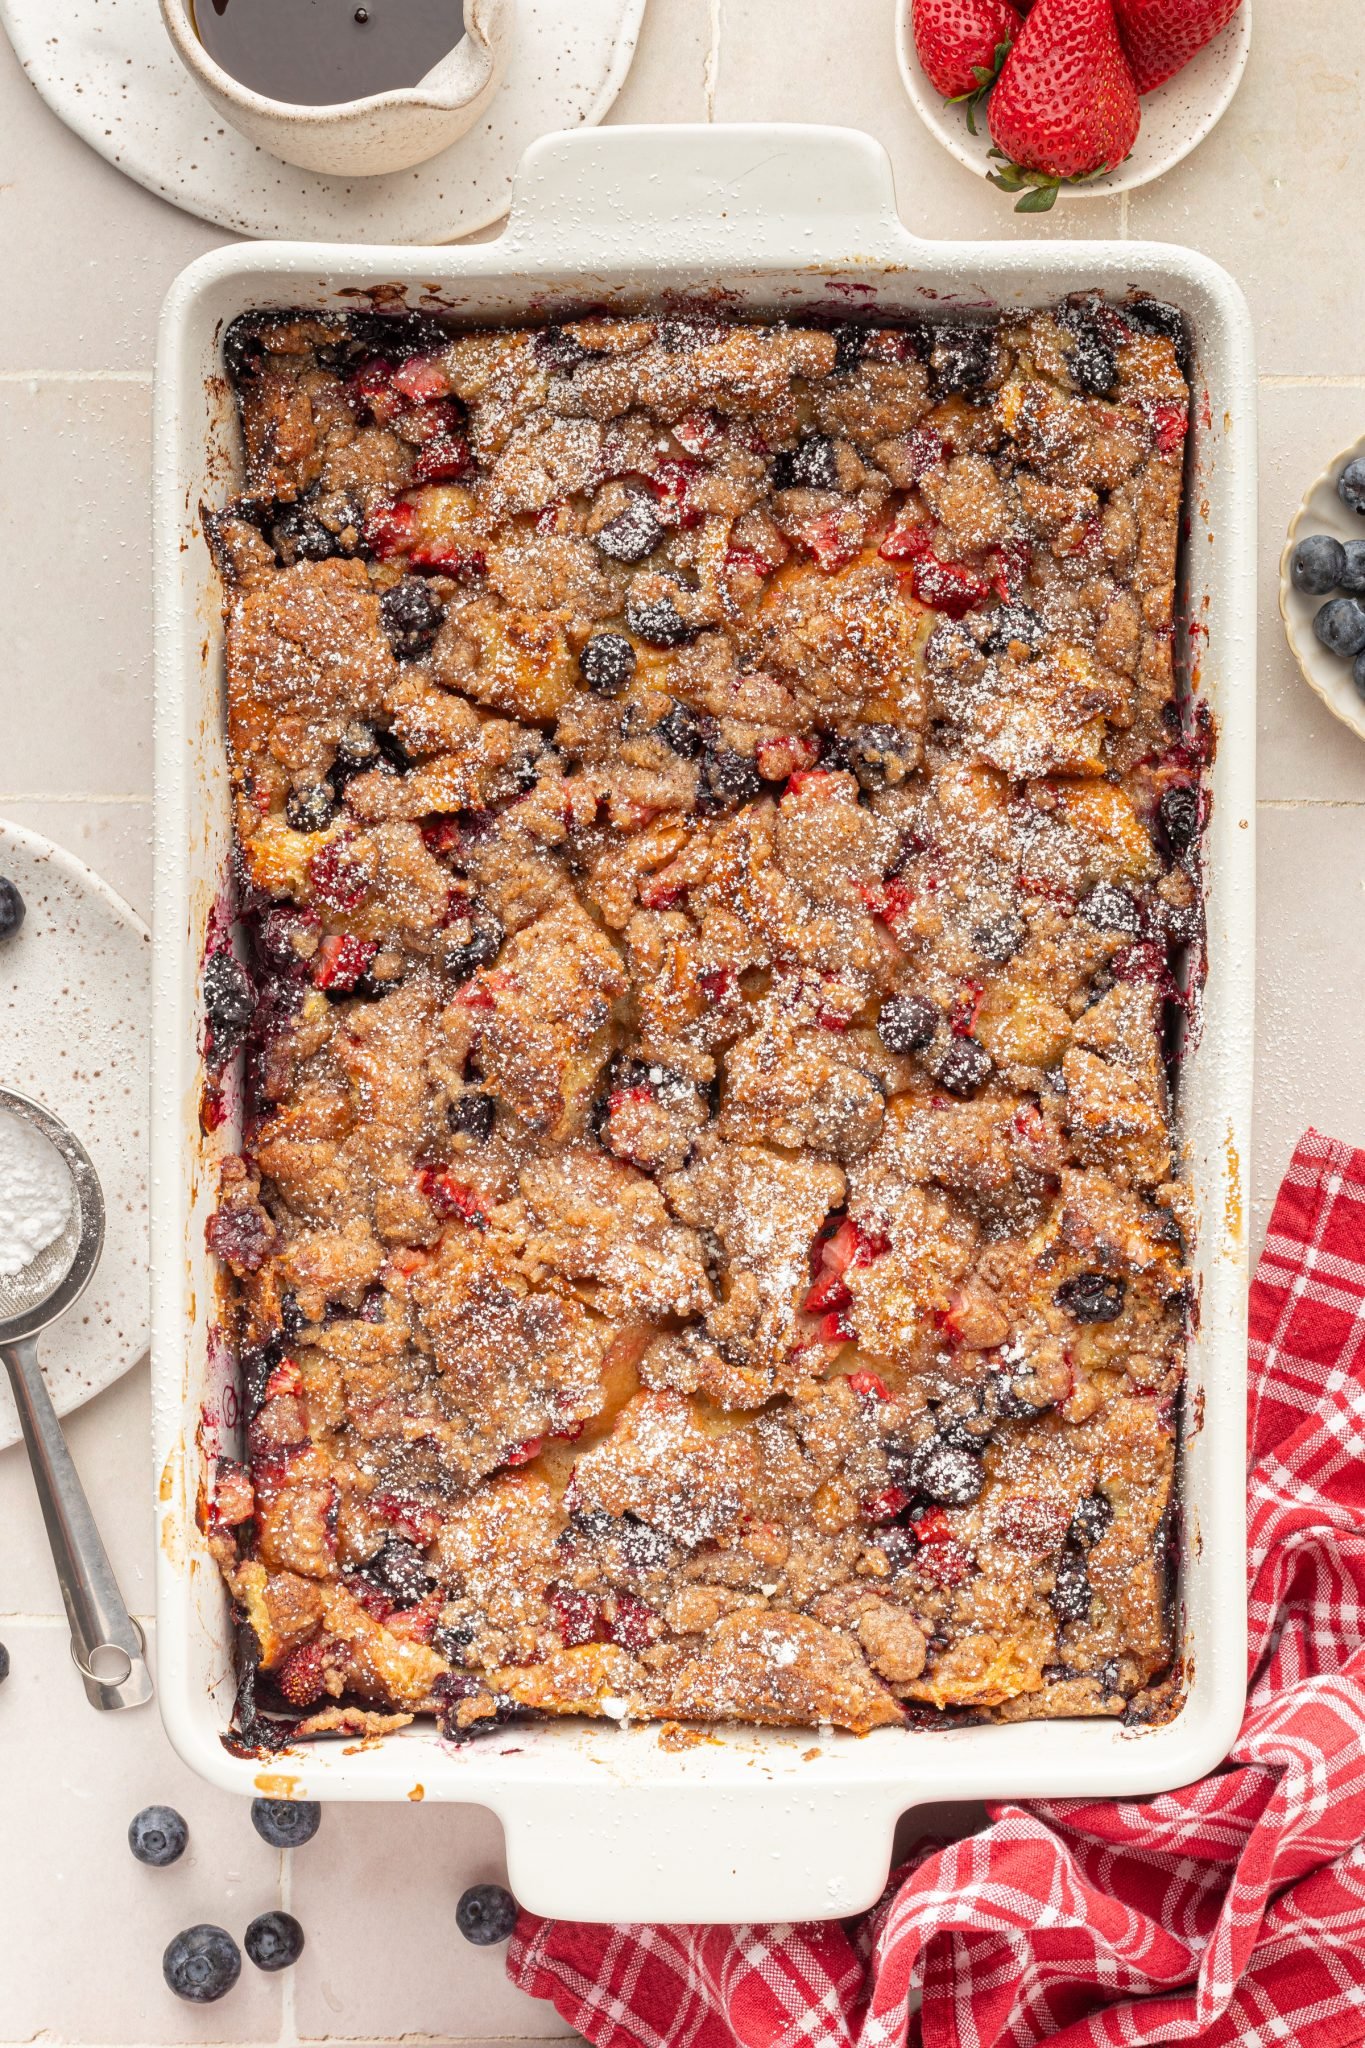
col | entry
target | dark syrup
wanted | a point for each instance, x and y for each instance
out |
(319, 52)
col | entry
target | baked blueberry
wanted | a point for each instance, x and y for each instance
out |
(1155, 316)
(1092, 1517)
(946, 1473)
(681, 730)
(1317, 564)
(1092, 1297)
(881, 756)
(157, 1836)
(558, 351)
(632, 534)
(1013, 622)
(1091, 363)
(12, 908)
(399, 1568)
(1340, 625)
(479, 950)
(472, 1116)
(962, 358)
(850, 346)
(243, 348)
(965, 1066)
(811, 465)
(607, 664)
(1070, 1595)
(1178, 813)
(397, 335)
(1111, 909)
(273, 1941)
(1352, 577)
(907, 1023)
(658, 621)
(229, 999)
(286, 1823)
(1351, 484)
(311, 808)
(202, 1964)
(487, 1913)
(728, 779)
(300, 536)
(1001, 939)
(411, 616)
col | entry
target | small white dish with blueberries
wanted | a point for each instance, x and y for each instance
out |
(1322, 587)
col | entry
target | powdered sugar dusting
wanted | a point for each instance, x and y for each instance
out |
(36, 1198)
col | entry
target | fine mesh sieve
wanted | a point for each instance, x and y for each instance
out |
(107, 1645)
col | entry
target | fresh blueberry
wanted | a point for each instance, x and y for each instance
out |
(11, 908)
(411, 617)
(1092, 1517)
(658, 622)
(1358, 674)
(727, 780)
(273, 1941)
(487, 1913)
(286, 1823)
(1001, 939)
(158, 1836)
(906, 1023)
(1178, 812)
(1352, 577)
(202, 1964)
(1340, 625)
(680, 729)
(1070, 1595)
(965, 1066)
(1092, 1297)
(607, 664)
(1317, 564)
(1351, 484)
(4, 1663)
(229, 1000)
(1111, 909)
(632, 534)
(472, 1116)
(811, 465)
(311, 808)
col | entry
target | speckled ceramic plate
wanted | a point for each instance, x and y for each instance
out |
(1175, 118)
(1322, 511)
(75, 1005)
(106, 67)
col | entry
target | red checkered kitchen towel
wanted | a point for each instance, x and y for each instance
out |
(1230, 1912)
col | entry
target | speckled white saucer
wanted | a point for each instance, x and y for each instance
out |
(1175, 118)
(1322, 511)
(106, 67)
(75, 1005)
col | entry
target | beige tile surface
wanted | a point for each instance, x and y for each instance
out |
(87, 258)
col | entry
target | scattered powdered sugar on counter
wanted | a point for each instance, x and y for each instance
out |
(35, 1195)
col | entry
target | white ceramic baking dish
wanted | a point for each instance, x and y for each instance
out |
(603, 1822)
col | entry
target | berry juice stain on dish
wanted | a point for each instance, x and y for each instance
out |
(319, 53)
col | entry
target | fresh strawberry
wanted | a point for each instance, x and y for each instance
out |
(1161, 36)
(962, 43)
(1065, 106)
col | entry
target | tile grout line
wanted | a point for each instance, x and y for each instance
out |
(711, 66)
(69, 796)
(75, 376)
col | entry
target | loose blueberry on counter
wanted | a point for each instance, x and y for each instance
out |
(1352, 577)
(811, 465)
(158, 1836)
(411, 616)
(472, 1116)
(1316, 565)
(273, 1941)
(4, 1663)
(1340, 625)
(202, 1964)
(1358, 674)
(1351, 484)
(487, 1913)
(310, 809)
(11, 908)
(607, 664)
(907, 1023)
(633, 534)
(1092, 1297)
(1111, 909)
(965, 1067)
(286, 1823)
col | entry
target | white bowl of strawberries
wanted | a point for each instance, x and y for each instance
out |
(1087, 97)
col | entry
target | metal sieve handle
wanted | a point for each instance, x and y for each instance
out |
(106, 1643)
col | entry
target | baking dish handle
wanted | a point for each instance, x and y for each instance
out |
(711, 194)
(693, 1851)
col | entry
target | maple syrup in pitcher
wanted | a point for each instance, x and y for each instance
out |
(319, 52)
